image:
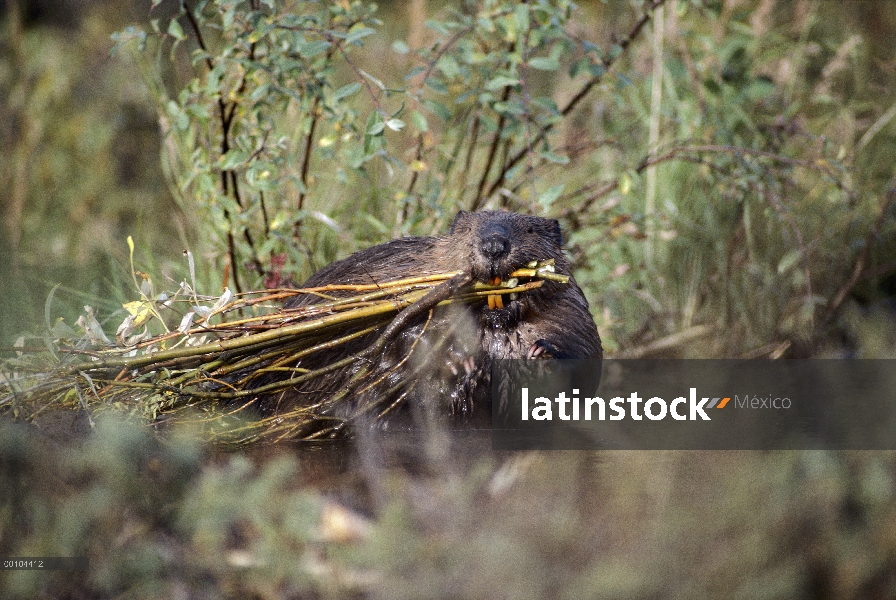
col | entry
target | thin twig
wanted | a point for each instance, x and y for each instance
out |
(306, 159)
(414, 177)
(478, 199)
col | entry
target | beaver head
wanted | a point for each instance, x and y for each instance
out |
(494, 243)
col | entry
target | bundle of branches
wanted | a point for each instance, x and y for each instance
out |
(209, 373)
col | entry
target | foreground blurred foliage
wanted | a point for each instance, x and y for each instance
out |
(165, 521)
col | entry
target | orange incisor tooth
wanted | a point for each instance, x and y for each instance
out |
(494, 300)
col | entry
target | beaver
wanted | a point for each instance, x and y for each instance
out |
(442, 359)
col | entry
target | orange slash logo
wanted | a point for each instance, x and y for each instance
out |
(721, 404)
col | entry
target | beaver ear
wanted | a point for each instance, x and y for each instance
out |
(461, 216)
(556, 233)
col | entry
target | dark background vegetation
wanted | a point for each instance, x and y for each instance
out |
(741, 207)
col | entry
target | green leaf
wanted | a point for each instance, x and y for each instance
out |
(511, 108)
(438, 109)
(375, 81)
(346, 90)
(233, 159)
(414, 72)
(543, 63)
(521, 13)
(357, 34)
(199, 112)
(472, 93)
(547, 197)
(183, 121)
(486, 24)
(395, 124)
(175, 30)
(375, 125)
(625, 183)
(260, 92)
(501, 81)
(597, 69)
(262, 176)
(579, 67)
(419, 121)
(554, 158)
(449, 66)
(372, 143)
(311, 49)
(789, 260)
(760, 88)
(488, 123)
(548, 104)
(436, 85)
(400, 46)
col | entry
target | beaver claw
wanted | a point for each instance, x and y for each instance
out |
(545, 349)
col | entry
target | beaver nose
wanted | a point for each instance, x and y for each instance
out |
(495, 246)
